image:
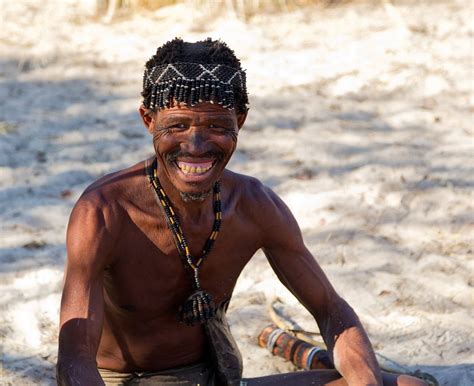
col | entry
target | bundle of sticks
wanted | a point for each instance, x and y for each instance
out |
(302, 354)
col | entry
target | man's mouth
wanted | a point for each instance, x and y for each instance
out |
(195, 168)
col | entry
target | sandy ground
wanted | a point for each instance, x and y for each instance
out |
(361, 119)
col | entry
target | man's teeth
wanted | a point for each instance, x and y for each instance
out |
(188, 169)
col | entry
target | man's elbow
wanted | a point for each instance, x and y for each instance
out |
(73, 372)
(62, 373)
(64, 370)
(335, 317)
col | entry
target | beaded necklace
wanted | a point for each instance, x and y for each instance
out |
(199, 306)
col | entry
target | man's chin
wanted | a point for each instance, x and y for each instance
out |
(195, 196)
(193, 191)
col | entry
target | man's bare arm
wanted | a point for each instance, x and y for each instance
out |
(89, 243)
(294, 265)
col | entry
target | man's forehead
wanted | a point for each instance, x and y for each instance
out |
(201, 110)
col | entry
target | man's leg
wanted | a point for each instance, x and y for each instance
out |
(325, 377)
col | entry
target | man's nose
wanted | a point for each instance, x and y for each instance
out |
(196, 141)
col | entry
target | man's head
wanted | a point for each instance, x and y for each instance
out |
(194, 103)
(208, 66)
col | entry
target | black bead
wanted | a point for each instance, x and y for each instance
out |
(186, 93)
(181, 92)
(220, 94)
(193, 92)
(232, 101)
(172, 93)
(206, 90)
(213, 92)
(201, 90)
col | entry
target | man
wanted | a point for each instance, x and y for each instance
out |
(144, 302)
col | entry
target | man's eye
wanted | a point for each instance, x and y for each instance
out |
(217, 127)
(177, 126)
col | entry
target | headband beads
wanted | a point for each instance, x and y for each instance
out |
(192, 83)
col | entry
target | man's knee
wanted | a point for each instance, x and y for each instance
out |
(401, 380)
(406, 380)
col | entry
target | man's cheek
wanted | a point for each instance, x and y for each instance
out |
(233, 135)
(158, 134)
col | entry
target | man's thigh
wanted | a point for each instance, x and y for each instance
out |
(202, 374)
(325, 377)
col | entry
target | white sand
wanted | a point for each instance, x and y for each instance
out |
(361, 119)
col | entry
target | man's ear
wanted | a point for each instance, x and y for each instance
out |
(148, 118)
(241, 117)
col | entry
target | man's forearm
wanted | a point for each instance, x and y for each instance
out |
(352, 352)
(77, 373)
(354, 358)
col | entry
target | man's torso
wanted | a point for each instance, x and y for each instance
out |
(145, 281)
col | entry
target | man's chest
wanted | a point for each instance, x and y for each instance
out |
(151, 276)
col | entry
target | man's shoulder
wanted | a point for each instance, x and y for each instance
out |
(110, 192)
(243, 183)
(252, 193)
(260, 205)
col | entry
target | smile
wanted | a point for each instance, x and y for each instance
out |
(194, 168)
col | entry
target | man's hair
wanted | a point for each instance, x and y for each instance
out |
(202, 52)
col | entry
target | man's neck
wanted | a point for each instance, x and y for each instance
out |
(187, 208)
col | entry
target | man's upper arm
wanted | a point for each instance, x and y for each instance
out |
(291, 260)
(89, 242)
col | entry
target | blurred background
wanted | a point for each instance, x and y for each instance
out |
(360, 118)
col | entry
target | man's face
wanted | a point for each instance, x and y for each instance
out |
(194, 144)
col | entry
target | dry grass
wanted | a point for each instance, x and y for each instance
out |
(248, 4)
(242, 8)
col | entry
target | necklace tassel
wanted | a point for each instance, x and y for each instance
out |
(198, 308)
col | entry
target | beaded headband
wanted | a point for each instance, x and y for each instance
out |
(192, 83)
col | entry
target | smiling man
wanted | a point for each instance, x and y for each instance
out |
(155, 250)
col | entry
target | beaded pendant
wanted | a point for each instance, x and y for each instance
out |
(199, 306)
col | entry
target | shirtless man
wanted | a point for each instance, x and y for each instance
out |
(128, 271)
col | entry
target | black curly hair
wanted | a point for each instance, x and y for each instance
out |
(206, 51)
